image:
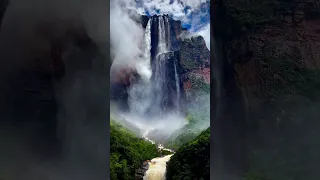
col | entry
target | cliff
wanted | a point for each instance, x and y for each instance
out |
(272, 72)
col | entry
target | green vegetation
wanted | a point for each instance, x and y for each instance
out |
(184, 136)
(286, 116)
(198, 113)
(198, 84)
(192, 160)
(283, 75)
(290, 111)
(193, 53)
(165, 152)
(188, 132)
(285, 105)
(127, 152)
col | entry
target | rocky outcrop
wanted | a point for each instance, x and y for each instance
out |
(140, 173)
(194, 61)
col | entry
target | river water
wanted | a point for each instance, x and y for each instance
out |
(157, 168)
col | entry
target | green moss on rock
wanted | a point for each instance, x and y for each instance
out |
(193, 53)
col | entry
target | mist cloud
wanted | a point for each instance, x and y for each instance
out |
(127, 40)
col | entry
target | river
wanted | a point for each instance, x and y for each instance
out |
(157, 166)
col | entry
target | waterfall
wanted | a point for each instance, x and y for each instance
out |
(162, 44)
(155, 101)
(168, 40)
(143, 67)
(160, 79)
(147, 54)
(139, 94)
(177, 85)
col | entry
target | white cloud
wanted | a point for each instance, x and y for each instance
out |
(125, 34)
(176, 9)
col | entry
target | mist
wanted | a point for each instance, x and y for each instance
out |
(127, 41)
(199, 108)
(60, 131)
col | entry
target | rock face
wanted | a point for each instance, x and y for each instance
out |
(291, 42)
(270, 80)
(195, 60)
(141, 172)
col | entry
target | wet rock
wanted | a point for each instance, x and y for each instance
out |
(142, 170)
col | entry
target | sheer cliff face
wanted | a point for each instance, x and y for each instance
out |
(273, 49)
(265, 54)
(194, 60)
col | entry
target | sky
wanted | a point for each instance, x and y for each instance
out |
(128, 36)
(194, 14)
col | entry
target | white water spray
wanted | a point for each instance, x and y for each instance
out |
(177, 85)
(162, 44)
(144, 66)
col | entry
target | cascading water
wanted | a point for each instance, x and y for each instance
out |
(139, 94)
(176, 76)
(156, 100)
(160, 80)
(157, 168)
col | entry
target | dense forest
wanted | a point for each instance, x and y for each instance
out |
(192, 160)
(127, 152)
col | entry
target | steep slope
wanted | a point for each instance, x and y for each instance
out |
(192, 160)
(127, 152)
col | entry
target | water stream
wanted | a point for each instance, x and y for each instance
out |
(157, 168)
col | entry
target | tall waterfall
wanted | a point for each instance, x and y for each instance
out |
(139, 99)
(147, 41)
(143, 67)
(154, 102)
(164, 62)
(160, 79)
(176, 76)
